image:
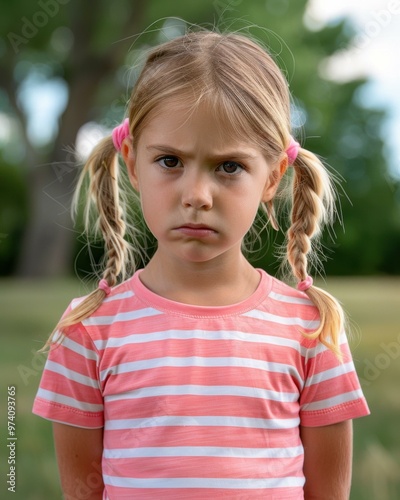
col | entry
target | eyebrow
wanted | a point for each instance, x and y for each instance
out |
(238, 155)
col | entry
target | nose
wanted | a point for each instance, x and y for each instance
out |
(197, 192)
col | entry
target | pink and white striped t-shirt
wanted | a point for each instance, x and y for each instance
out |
(199, 402)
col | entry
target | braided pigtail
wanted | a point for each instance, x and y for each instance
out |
(313, 206)
(103, 200)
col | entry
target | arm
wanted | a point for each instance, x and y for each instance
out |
(327, 461)
(79, 454)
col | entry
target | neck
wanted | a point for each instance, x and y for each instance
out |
(205, 283)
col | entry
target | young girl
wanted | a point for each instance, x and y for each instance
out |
(200, 376)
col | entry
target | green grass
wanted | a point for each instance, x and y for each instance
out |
(29, 311)
(373, 306)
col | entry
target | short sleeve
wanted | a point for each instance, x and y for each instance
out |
(331, 392)
(69, 390)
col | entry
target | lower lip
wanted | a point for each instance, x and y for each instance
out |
(200, 232)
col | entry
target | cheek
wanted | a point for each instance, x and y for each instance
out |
(155, 208)
(243, 217)
(251, 214)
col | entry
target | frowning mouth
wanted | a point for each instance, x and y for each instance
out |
(196, 230)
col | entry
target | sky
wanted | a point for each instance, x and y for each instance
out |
(375, 54)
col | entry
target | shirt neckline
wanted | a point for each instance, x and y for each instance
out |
(170, 306)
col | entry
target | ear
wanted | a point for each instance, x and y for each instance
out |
(274, 179)
(130, 161)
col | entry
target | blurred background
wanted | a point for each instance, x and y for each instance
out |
(66, 71)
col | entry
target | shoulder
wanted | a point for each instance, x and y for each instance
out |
(96, 325)
(292, 295)
(118, 295)
(288, 312)
(285, 311)
(289, 300)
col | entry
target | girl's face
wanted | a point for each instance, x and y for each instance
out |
(199, 189)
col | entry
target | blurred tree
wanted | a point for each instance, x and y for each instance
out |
(80, 48)
(84, 55)
(69, 43)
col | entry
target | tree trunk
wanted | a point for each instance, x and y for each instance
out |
(48, 243)
(49, 239)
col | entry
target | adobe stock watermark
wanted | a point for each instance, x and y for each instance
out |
(373, 28)
(85, 489)
(30, 27)
(381, 362)
(34, 369)
(63, 168)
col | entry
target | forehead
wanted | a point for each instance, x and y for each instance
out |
(187, 123)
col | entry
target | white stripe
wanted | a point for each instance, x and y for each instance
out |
(204, 482)
(53, 397)
(205, 390)
(78, 348)
(77, 301)
(119, 296)
(230, 335)
(201, 361)
(201, 421)
(71, 374)
(282, 320)
(203, 451)
(330, 374)
(125, 316)
(320, 347)
(334, 401)
(290, 299)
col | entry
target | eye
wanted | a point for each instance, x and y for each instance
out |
(231, 167)
(169, 161)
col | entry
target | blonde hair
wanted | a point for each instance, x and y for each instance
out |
(248, 94)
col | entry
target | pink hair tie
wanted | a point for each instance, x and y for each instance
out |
(103, 285)
(120, 133)
(292, 150)
(305, 284)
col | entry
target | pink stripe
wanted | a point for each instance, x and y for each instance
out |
(60, 413)
(205, 405)
(208, 467)
(204, 493)
(234, 437)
